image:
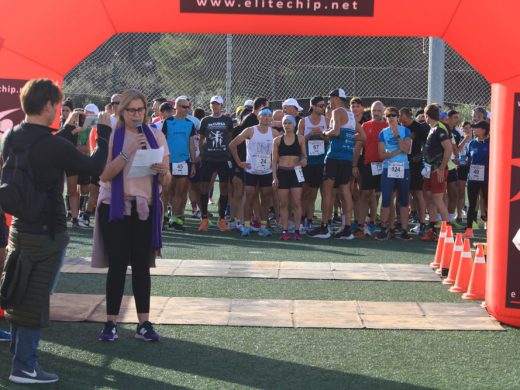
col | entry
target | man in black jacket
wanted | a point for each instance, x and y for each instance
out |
(39, 247)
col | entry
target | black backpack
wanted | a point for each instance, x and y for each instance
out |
(18, 193)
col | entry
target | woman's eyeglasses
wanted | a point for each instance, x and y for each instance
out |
(139, 110)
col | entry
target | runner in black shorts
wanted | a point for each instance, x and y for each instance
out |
(289, 156)
(215, 134)
(340, 164)
(312, 128)
(371, 169)
(419, 133)
(463, 169)
(452, 122)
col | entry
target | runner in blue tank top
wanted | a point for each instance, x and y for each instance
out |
(346, 138)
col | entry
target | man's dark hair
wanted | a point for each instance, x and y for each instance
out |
(356, 100)
(482, 111)
(452, 112)
(433, 111)
(406, 112)
(165, 106)
(199, 113)
(160, 100)
(419, 111)
(36, 93)
(392, 110)
(259, 102)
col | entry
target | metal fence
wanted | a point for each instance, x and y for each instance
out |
(394, 69)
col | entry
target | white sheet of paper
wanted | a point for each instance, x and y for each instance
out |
(143, 160)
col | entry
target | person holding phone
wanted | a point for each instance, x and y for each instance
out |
(39, 245)
(129, 215)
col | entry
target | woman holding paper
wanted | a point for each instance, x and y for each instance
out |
(129, 217)
(289, 157)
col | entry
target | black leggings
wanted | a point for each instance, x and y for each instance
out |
(127, 241)
(474, 188)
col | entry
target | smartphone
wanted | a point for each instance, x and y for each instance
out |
(90, 120)
(81, 119)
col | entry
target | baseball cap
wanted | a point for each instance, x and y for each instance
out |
(217, 99)
(92, 108)
(480, 125)
(181, 98)
(292, 102)
(249, 103)
(338, 93)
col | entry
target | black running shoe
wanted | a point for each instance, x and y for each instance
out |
(344, 234)
(405, 236)
(382, 235)
(37, 375)
(319, 232)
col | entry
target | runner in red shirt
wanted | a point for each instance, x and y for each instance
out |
(372, 168)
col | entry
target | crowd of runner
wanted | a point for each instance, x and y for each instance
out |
(382, 172)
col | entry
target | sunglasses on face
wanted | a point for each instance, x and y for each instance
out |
(185, 107)
(114, 103)
(391, 115)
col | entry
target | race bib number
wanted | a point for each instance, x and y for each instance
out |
(426, 171)
(396, 170)
(262, 163)
(299, 174)
(377, 168)
(180, 169)
(476, 172)
(316, 147)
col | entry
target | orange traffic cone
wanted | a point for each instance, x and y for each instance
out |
(455, 260)
(464, 271)
(440, 246)
(446, 253)
(477, 282)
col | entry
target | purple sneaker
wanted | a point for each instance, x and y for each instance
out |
(109, 332)
(297, 236)
(146, 332)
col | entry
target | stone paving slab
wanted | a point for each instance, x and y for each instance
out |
(274, 270)
(282, 313)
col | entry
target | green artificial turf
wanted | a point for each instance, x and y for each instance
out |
(244, 288)
(197, 357)
(205, 357)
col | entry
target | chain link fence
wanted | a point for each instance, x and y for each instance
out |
(393, 69)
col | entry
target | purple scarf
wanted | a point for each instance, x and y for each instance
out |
(117, 203)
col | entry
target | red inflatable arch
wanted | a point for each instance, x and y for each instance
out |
(48, 38)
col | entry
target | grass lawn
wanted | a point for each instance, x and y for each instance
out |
(203, 357)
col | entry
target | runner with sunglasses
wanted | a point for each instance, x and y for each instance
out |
(394, 145)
